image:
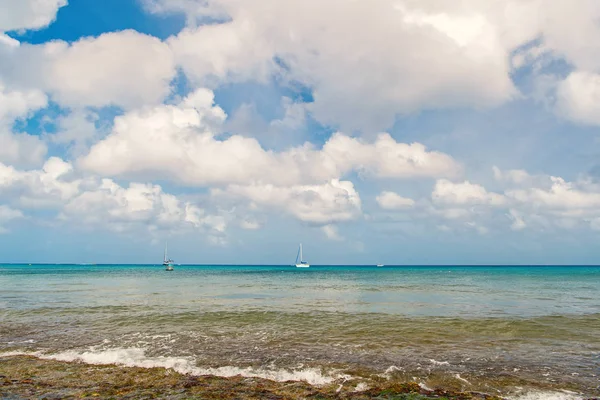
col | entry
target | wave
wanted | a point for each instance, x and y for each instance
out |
(136, 357)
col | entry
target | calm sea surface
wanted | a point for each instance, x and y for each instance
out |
(498, 329)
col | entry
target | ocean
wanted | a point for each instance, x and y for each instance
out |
(527, 332)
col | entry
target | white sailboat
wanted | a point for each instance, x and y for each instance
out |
(302, 263)
(167, 262)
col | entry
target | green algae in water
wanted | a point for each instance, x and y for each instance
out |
(28, 377)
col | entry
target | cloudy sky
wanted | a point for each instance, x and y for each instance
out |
(372, 131)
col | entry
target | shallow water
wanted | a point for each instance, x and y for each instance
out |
(494, 328)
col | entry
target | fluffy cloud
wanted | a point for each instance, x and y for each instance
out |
(547, 202)
(139, 205)
(180, 142)
(103, 203)
(536, 202)
(137, 69)
(393, 201)
(50, 187)
(28, 14)
(578, 97)
(386, 158)
(76, 131)
(335, 201)
(17, 104)
(389, 53)
(464, 194)
(215, 54)
(569, 199)
(19, 149)
(194, 9)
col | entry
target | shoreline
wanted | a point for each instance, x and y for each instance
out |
(32, 376)
(23, 377)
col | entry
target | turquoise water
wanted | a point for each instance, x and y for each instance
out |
(541, 324)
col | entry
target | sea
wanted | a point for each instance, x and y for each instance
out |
(523, 332)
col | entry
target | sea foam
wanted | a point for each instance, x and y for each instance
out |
(136, 357)
(539, 395)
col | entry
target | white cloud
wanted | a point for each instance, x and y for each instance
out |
(517, 176)
(21, 149)
(569, 199)
(280, 133)
(194, 9)
(215, 54)
(544, 202)
(49, 187)
(179, 142)
(8, 41)
(389, 52)
(464, 194)
(517, 220)
(77, 131)
(335, 201)
(17, 104)
(578, 97)
(393, 201)
(103, 203)
(386, 158)
(118, 208)
(28, 14)
(250, 224)
(136, 69)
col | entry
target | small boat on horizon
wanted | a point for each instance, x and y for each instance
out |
(302, 263)
(380, 265)
(167, 262)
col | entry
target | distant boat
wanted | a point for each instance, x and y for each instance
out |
(302, 263)
(380, 265)
(167, 262)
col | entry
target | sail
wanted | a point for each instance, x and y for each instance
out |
(165, 252)
(299, 255)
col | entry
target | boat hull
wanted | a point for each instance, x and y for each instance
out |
(302, 265)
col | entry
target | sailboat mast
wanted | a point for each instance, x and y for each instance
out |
(301, 258)
(165, 251)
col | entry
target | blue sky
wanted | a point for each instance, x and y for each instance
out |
(373, 132)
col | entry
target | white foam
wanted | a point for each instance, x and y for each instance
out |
(18, 353)
(538, 395)
(460, 378)
(361, 387)
(136, 357)
(435, 362)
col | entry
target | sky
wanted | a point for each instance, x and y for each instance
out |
(371, 131)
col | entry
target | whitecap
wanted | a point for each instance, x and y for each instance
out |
(136, 357)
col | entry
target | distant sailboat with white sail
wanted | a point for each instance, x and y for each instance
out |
(167, 262)
(300, 263)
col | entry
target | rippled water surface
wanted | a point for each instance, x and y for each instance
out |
(496, 327)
